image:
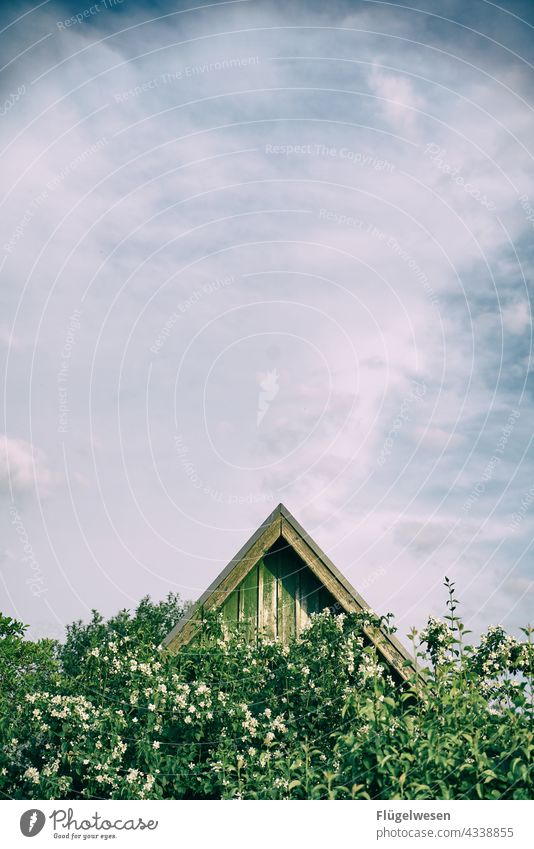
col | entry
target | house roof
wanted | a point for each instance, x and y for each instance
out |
(280, 524)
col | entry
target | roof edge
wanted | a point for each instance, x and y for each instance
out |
(390, 638)
(271, 518)
(281, 511)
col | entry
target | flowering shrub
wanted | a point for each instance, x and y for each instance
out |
(108, 714)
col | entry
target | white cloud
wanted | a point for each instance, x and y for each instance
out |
(349, 314)
(23, 467)
(11, 342)
(400, 102)
(438, 437)
(516, 317)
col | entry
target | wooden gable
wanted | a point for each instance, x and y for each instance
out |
(274, 583)
(278, 595)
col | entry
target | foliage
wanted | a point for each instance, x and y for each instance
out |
(24, 665)
(110, 715)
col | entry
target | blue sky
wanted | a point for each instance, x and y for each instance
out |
(259, 252)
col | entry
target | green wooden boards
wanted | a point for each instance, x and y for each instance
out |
(288, 576)
(275, 582)
(313, 596)
(268, 613)
(230, 608)
(277, 596)
(248, 602)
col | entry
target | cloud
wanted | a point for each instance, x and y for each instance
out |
(23, 467)
(516, 317)
(400, 102)
(358, 263)
(11, 342)
(438, 437)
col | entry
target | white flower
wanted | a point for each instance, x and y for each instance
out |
(278, 724)
(132, 775)
(32, 774)
(156, 744)
(152, 706)
(95, 652)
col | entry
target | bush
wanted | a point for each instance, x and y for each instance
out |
(110, 715)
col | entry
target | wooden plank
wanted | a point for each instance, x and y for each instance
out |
(260, 594)
(327, 600)
(244, 566)
(228, 584)
(310, 588)
(388, 651)
(324, 575)
(325, 560)
(300, 614)
(303, 592)
(248, 602)
(287, 592)
(268, 596)
(229, 609)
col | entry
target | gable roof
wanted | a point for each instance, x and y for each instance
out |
(280, 524)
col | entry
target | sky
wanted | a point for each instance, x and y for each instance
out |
(260, 252)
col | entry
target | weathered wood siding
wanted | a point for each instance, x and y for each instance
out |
(277, 596)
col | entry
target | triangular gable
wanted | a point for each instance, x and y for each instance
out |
(282, 527)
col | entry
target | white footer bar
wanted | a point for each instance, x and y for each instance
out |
(269, 825)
